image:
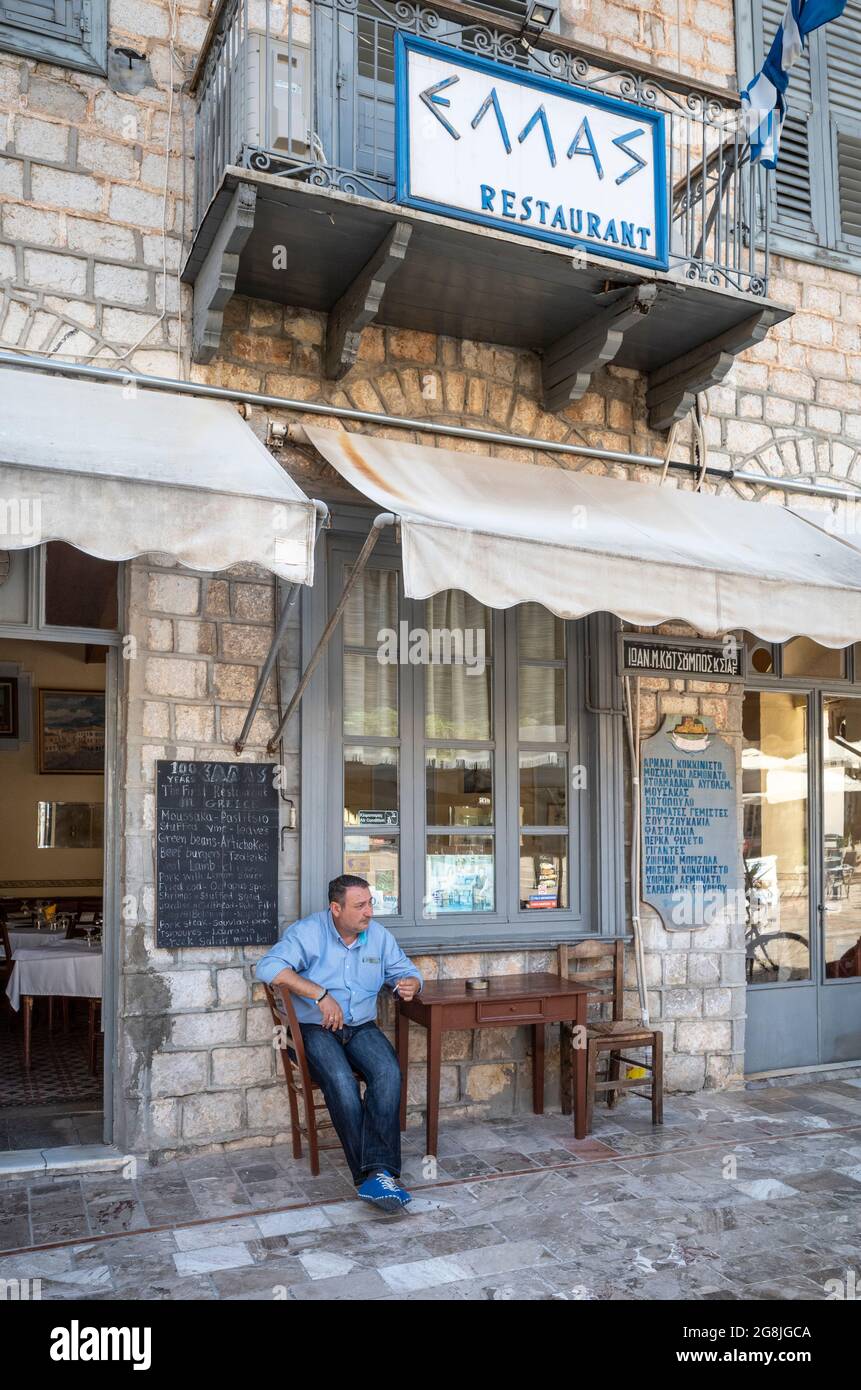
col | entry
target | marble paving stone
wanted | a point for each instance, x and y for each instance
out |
(285, 1222)
(365, 1284)
(211, 1258)
(220, 1233)
(325, 1264)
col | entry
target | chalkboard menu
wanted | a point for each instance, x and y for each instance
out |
(690, 824)
(216, 854)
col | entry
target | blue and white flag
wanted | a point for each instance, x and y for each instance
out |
(763, 101)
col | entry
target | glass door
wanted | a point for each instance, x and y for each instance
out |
(776, 838)
(840, 1003)
(801, 788)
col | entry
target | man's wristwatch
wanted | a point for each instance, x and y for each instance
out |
(322, 997)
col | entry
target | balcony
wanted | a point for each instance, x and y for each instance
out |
(301, 194)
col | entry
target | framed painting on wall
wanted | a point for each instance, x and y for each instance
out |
(71, 731)
(8, 707)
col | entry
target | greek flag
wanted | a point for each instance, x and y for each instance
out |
(763, 101)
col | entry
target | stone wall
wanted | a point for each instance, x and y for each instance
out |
(196, 1060)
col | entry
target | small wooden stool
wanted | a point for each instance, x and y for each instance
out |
(610, 1036)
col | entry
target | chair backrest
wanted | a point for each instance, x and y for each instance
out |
(600, 963)
(292, 1053)
(6, 958)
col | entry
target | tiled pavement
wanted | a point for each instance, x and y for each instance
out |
(751, 1195)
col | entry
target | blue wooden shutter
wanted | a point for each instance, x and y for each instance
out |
(72, 33)
(842, 41)
(798, 201)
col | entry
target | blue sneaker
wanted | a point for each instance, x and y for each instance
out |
(382, 1191)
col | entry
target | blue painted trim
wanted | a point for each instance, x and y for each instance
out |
(406, 43)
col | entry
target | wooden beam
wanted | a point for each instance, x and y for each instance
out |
(360, 303)
(568, 366)
(216, 279)
(672, 390)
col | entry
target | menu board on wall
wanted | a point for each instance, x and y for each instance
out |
(216, 854)
(690, 844)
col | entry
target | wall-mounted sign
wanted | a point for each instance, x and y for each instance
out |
(682, 656)
(485, 143)
(690, 843)
(378, 818)
(216, 854)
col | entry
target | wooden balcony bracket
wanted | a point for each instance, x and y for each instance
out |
(360, 302)
(570, 363)
(672, 389)
(216, 279)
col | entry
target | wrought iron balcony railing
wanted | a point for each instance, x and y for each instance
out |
(305, 89)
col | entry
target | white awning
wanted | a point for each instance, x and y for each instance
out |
(119, 471)
(510, 532)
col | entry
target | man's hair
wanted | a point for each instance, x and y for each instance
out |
(338, 887)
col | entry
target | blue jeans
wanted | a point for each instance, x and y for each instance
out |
(369, 1128)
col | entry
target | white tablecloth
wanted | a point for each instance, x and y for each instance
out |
(68, 968)
(26, 938)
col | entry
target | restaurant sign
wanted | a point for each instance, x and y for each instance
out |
(690, 847)
(487, 143)
(681, 656)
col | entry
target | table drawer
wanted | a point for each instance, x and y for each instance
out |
(510, 1011)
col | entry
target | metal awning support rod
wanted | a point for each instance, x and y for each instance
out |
(280, 632)
(379, 522)
(367, 417)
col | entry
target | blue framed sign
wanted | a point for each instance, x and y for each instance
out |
(484, 143)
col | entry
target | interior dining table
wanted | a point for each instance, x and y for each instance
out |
(46, 964)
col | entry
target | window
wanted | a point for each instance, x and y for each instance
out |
(72, 33)
(816, 189)
(456, 759)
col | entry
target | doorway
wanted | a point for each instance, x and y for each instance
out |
(59, 709)
(801, 791)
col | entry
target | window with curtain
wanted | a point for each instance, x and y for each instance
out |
(460, 759)
(816, 188)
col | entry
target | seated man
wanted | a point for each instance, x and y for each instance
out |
(336, 963)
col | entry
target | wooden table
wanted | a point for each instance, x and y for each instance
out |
(510, 999)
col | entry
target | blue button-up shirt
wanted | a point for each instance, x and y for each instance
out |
(353, 975)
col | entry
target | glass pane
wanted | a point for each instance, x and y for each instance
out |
(14, 585)
(543, 871)
(774, 794)
(801, 657)
(458, 702)
(458, 787)
(370, 696)
(372, 605)
(541, 635)
(459, 873)
(543, 789)
(542, 704)
(80, 591)
(842, 837)
(371, 786)
(375, 858)
(455, 612)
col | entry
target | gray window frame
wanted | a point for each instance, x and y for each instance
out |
(822, 246)
(596, 819)
(87, 54)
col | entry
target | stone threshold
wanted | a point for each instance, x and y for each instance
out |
(801, 1076)
(75, 1158)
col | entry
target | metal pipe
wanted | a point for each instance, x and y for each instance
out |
(384, 519)
(272, 655)
(337, 412)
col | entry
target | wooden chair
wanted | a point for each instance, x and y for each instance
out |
(611, 1035)
(94, 1011)
(298, 1076)
(7, 965)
